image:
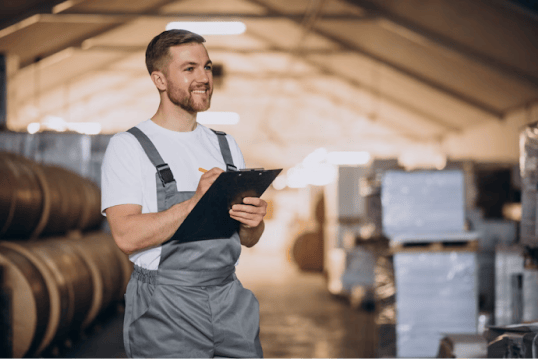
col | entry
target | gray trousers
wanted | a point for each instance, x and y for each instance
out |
(167, 316)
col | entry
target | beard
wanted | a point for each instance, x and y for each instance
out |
(186, 101)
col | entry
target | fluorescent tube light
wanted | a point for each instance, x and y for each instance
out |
(218, 118)
(209, 27)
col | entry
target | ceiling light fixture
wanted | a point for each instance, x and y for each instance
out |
(218, 118)
(209, 27)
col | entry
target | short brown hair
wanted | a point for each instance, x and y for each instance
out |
(157, 52)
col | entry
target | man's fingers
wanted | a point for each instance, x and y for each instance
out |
(246, 218)
(247, 208)
(255, 201)
(212, 174)
(208, 178)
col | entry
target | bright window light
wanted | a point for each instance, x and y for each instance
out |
(297, 178)
(33, 128)
(218, 118)
(315, 157)
(319, 174)
(348, 157)
(58, 124)
(54, 123)
(209, 27)
(85, 128)
(280, 182)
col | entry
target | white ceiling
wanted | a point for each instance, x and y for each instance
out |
(375, 75)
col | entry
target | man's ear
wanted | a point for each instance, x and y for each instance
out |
(159, 80)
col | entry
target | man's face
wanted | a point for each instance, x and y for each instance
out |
(189, 77)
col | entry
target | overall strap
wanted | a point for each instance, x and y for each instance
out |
(225, 150)
(163, 170)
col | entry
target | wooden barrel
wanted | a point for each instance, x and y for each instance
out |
(91, 197)
(73, 279)
(66, 201)
(101, 250)
(35, 301)
(307, 251)
(22, 199)
(60, 285)
(110, 270)
(44, 200)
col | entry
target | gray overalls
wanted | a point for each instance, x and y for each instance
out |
(193, 305)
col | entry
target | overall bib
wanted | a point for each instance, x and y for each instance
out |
(193, 305)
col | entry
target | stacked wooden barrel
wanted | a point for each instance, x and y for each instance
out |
(40, 200)
(57, 271)
(59, 285)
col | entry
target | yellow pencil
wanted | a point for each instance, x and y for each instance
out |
(202, 170)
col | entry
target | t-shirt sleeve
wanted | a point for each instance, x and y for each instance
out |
(121, 181)
(237, 155)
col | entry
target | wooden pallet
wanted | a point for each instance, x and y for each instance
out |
(437, 246)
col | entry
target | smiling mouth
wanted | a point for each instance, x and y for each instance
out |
(199, 91)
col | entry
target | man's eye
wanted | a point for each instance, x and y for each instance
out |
(189, 68)
(208, 67)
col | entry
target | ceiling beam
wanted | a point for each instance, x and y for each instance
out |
(439, 40)
(397, 102)
(399, 127)
(48, 17)
(269, 49)
(517, 7)
(42, 7)
(375, 92)
(484, 107)
(107, 18)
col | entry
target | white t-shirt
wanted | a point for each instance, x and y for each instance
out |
(128, 176)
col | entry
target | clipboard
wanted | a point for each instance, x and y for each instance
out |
(210, 218)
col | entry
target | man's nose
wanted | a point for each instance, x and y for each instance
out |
(203, 76)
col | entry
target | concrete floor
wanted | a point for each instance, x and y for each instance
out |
(298, 317)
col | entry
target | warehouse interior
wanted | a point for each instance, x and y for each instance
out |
(401, 225)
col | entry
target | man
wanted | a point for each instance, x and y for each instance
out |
(183, 299)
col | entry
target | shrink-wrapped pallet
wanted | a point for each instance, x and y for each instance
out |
(528, 163)
(84, 157)
(436, 294)
(530, 294)
(509, 262)
(423, 202)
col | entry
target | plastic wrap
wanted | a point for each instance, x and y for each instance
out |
(528, 163)
(509, 263)
(423, 202)
(528, 216)
(360, 264)
(528, 155)
(530, 295)
(82, 154)
(436, 294)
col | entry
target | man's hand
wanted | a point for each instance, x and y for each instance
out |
(206, 181)
(251, 213)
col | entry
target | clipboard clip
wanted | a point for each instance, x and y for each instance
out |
(251, 169)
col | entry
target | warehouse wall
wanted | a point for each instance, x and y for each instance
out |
(492, 141)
